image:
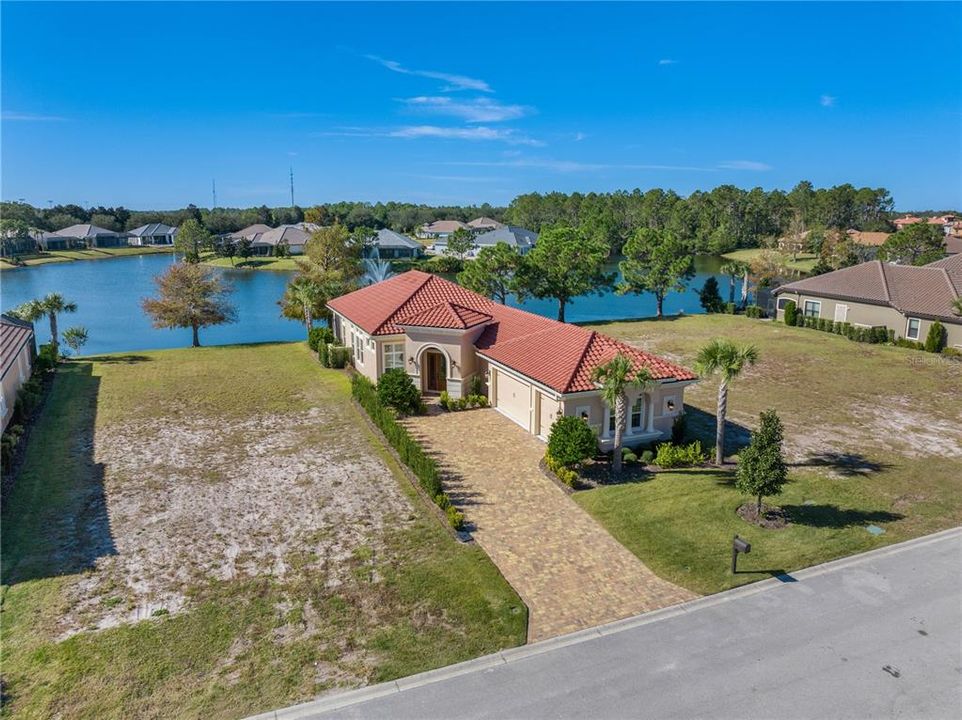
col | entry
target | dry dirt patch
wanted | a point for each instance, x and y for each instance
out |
(196, 499)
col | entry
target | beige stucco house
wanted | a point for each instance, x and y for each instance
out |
(532, 369)
(18, 349)
(905, 298)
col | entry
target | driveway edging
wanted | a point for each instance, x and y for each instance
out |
(353, 697)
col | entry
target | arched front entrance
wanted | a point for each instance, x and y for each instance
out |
(434, 371)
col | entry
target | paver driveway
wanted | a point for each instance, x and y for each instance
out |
(569, 571)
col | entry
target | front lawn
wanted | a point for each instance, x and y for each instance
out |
(873, 434)
(252, 263)
(214, 532)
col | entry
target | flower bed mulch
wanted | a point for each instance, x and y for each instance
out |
(771, 518)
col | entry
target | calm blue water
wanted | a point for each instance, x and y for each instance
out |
(108, 295)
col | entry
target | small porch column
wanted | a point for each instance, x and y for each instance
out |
(650, 424)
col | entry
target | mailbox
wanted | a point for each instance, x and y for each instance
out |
(739, 545)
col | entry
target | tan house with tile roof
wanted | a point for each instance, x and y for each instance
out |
(18, 349)
(532, 368)
(905, 298)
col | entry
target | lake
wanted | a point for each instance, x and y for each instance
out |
(108, 295)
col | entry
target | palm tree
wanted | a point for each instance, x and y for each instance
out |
(727, 359)
(614, 377)
(303, 300)
(733, 270)
(51, 306)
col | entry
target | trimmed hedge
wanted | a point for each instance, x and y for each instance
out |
(791, 313)
(755, 312)
(410, 452)
(318, 335)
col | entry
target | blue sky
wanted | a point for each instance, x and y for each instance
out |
(143, 104)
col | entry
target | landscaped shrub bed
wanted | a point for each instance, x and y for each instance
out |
(462, 403)
(670, 455)
(408, 449)
(874, 335)
(319, 335)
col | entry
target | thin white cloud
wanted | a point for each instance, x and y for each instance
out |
(414, 132)
(827, 100)
(456, 178)
(474, 110)
(667, 61)
(11, 116)
(453, 81)
(744, 165)
(574, 166)
(512, 137)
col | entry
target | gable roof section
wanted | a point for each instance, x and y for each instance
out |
(152, 229)
(444, 226)
(14, 334)
(388, 238)
(552, 353)
(510, 234)
(85, 230)
(927, 290)
(446, 315)
(484, 222)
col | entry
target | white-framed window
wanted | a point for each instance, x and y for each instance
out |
(637, 413)
(669, 405)
(358, 343)
(813, 308)
(584, 412)
(393, 356)
(782, 302)
(912, 328)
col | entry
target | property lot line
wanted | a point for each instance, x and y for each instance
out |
(335, 702)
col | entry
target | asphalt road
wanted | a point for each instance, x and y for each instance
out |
(877, 636)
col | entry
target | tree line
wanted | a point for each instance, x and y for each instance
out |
(715, 221)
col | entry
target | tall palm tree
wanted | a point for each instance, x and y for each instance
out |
(733, 270)
(726, 359)
(51, 306)
(303, 300)
(614, 378)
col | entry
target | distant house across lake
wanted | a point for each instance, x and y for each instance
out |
(152, 234)
(391, 245)
(83, 235)
(518, 238)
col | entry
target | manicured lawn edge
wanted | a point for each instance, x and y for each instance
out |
(460, 535)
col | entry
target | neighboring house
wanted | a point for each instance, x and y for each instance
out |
(53, 241)
(517, 237)
(484, 224)
(904, 298)
(250, 232)
(867, 239)
(946, 222)
(391, 244)
(533, 369)
(953, 245)
(441, 229)
(794, 244)
(13, 243)
(294, 236)
(18, 349)
(92, 236)
(152, 234)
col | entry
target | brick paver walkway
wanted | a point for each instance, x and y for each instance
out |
(569, 571)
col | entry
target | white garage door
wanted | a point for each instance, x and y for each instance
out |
(513, 399)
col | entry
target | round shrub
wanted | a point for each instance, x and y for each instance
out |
(791, 313)
(396, 389)
(571, 441)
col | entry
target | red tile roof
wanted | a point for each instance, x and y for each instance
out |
(446, 315)
(555, 354)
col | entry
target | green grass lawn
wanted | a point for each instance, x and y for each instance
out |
(56, 256)
(804, 262)
(874, 435)
(254, 263)
(407, 596)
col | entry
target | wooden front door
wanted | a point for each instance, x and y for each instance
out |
(435, 371)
